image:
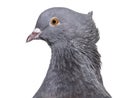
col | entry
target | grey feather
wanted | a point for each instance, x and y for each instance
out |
(74, 70)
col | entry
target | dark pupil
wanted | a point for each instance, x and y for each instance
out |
(54, 22)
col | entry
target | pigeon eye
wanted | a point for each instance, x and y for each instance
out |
(54, 21)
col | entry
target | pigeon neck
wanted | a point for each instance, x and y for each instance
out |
(62, 55)
(74, 61)
(66, 56)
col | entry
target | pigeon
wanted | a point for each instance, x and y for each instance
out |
(74, 70)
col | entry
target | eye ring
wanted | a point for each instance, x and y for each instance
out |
(54, 21)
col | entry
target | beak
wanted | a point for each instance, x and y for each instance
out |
(34, 35)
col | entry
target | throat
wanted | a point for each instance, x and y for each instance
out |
(63, 58)
(72, 67)
(72, 59)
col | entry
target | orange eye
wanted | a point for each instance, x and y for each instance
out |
(54, 21)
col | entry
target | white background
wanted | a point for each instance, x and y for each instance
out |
(23, 65)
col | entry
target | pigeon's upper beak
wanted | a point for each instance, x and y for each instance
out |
(34, 35)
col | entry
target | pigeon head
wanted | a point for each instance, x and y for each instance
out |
(56, 25)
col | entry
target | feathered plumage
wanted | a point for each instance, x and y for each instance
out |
(74, 70)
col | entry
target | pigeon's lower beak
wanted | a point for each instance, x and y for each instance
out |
(34, 35)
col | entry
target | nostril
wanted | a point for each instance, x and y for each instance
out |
(37, 30)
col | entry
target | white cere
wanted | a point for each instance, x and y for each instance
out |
(37, 30)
